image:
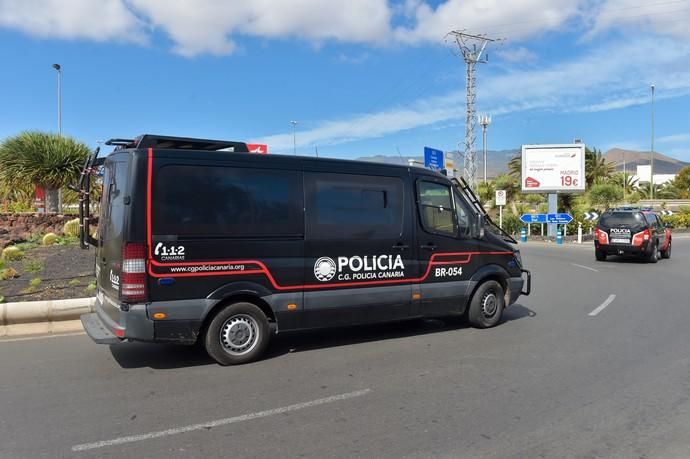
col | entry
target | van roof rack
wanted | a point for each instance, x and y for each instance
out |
(178, 143)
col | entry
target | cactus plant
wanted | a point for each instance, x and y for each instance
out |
(12, 253)
(50, 239)
(71, 228)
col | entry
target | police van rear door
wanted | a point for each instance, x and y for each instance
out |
(111, 231)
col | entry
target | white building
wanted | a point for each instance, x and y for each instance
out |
(644, 172)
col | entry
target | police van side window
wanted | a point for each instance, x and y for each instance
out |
(436, 208)
(345, 206)
(112, 200)
(197, 201)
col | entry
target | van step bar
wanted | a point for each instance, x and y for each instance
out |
(178, 143)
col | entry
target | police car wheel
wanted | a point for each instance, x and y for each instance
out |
(487, 304)
(600, 255)
(653, 255)
(238, 333)
(666, 253)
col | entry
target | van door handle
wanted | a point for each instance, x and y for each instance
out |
(431, 247)
(401, 247)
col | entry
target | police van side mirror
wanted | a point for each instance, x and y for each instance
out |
(479, 228)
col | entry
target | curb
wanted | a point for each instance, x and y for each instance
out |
(41, 317)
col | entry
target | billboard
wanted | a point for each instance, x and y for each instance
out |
(553, 168)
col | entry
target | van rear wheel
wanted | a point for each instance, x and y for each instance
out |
(487, 304)
(238, 333)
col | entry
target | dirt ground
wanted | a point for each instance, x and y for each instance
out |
(50, 273)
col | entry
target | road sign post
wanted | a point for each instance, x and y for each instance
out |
(501, 198)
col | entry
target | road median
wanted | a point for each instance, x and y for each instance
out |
(43, 317)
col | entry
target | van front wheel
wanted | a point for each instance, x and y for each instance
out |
(487, 304)
(239, 333)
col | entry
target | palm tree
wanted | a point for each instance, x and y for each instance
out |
(627, 181)
(515, 166)
(41, 159)
(596, 166)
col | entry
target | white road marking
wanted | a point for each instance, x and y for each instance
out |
(33, 338)
(603, 305)
(219, 422)
(585, 267)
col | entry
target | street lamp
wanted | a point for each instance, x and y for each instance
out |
(294, 136)
(484, 120)
(58, 68)
(651, 153)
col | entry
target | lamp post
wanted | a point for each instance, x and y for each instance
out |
(651, 153)
(294, 136)
(484, 120)
(58, 68)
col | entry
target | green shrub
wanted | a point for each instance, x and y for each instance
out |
(74, 282)
(12, 253)
(35, 282)
(71, 228)
(49, 239)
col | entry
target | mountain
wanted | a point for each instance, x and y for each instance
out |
(497, 161)
(662, 164)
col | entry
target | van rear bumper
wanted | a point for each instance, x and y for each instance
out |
(97, 330)
(132, 324)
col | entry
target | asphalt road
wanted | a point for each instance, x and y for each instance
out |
(554, 380)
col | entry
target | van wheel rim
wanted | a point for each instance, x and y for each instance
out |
(489, 305)
(239, 334)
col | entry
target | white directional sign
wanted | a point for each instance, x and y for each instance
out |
(591, 216)
(553, 168)
(666, 212)
(500, 197)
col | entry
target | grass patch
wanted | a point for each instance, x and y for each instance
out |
(91, 287)
(33, 266)
(24, 246)
(67, 240)
(74, 282)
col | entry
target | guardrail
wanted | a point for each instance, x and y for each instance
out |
(668, 203)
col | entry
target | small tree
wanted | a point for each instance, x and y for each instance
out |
(605, 194)
(42, 159)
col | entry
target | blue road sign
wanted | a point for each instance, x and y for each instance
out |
(533, 218)
(433, 158)
(561, 219)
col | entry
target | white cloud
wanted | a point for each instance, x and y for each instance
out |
(668, 18)
(677, 138)
(208, 26)
(97, 20)
(517, 54)
(520, 18)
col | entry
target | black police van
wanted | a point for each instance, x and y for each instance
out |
(199, 240)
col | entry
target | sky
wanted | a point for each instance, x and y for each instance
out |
(361, 77)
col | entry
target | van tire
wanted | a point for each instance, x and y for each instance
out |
(487, 304)
(238, 333)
